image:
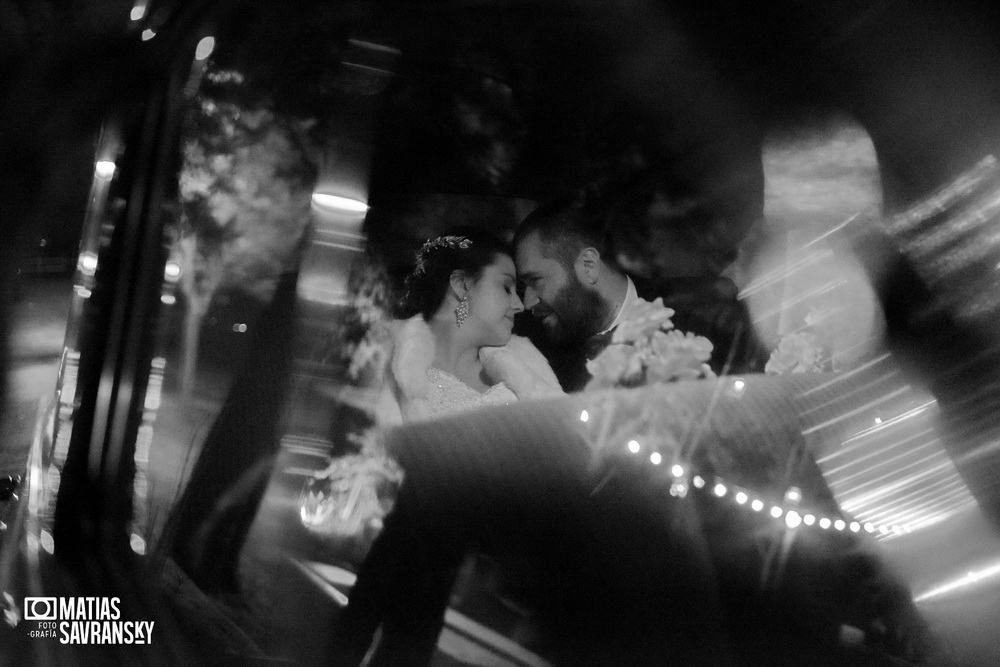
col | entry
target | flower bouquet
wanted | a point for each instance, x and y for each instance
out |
(646, 349)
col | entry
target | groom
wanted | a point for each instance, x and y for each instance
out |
(578, 295)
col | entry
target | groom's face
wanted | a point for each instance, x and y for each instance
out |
(568, 309)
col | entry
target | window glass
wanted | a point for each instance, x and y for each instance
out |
(320, 146)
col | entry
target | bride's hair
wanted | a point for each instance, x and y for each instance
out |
(466, 248)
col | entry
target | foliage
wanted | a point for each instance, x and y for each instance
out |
(365, 327)
(245, 184)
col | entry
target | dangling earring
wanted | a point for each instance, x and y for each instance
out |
(462, 311)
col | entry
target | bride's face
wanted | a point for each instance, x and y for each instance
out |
(493, 302)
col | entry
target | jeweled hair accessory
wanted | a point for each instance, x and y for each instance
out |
(451, 242)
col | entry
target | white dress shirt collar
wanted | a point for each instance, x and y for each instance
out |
(631, 296)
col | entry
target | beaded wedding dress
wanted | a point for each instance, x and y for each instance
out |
(346, 503)
(448, 395)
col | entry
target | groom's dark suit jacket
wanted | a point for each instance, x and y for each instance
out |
(706, 306)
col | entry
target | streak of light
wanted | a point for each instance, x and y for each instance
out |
(919, 514)
(337, 203)
(946, 490)
(783, 272)
(842, 378)
(946, 464)
(891, 487)
(916, 509)
(833, 230)
(970, 578)
(943, 499)
(982, 451)
(881, 463)
(853, 413)
(372, 46)
(339, 246)
(874, 450)
(937, 518)
(909, 414)
(917, 215)
(366, 68)
(360, 236)
(801, 297)
(957, 233)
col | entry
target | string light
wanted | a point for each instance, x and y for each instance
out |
(792, 519)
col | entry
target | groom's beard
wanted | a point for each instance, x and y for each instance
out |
(579, 313)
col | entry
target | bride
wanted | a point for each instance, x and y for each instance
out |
(456, 352)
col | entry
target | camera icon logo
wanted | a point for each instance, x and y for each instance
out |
(40, 609)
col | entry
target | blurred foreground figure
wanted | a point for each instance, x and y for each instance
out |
(941, 294)
(684, 523)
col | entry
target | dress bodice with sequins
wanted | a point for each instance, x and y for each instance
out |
(448, 395)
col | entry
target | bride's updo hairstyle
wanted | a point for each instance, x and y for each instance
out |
(466, 248)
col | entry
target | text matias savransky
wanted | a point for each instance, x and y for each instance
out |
(93, 620)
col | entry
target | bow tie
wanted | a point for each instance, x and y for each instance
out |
(596, 344)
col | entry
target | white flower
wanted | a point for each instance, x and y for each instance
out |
(616, 364)
(642, 319)
(797, 352)
(646, 349)
(673, 355)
